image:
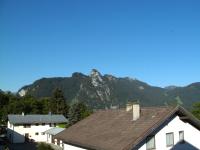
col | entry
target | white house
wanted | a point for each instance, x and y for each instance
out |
(135, 128)
(51, 133)
(21, 128)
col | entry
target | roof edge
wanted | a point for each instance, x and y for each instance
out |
(177, 109)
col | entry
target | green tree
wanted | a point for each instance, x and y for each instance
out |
(77, 112)
(45, 103)
(44, 146)
(196, 110)
(58, 104)
(4, 99)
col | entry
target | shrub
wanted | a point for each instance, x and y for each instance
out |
(44, 146)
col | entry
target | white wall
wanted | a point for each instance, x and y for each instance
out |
(13, 136)
(49, 138)
(191, 134)
(70, 147)
(20, 130)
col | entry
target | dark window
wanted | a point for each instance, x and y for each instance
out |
(37, 124)
(169, 139)
(52, 124)
(36, 133)
(27, 125)
(42, 133)
(43, 124)
(181, 136)
(26, 137)
(150, 143)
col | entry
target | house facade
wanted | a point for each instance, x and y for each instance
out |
(51, 133)
(175, 133)
(135, 128)
(21, 128)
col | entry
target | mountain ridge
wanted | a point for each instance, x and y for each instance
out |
(104, 91)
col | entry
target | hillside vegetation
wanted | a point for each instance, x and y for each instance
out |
(106, 91)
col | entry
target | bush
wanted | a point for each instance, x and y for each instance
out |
(44, 146)
(196, 110)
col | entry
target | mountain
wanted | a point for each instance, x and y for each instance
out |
(1, 91)
(105, 91)
(171, 87)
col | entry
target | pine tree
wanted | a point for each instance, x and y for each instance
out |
(77, 112)
(58, 104)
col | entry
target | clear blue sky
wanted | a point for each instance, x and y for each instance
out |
(156, 41)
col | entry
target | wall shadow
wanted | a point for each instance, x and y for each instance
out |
(184, 145)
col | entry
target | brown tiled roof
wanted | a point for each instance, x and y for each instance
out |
(114, 129)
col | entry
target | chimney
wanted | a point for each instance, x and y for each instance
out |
(22, 113)
(136, 111)
(129, 106)
(135, 107)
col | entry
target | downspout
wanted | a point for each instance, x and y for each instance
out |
(13, 133)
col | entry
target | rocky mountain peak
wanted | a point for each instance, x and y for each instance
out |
(95, 72)
(22, 92)
(96, 77)
(100, 91)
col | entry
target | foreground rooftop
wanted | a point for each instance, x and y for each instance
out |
(116, 130)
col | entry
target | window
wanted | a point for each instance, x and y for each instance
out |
(42, 133)
(37, 124)
(36, 133)
(52, 124)
(43, 124)
(27, 125)
(26, 137)
(169, 139)
(181, 136)
(150, 144)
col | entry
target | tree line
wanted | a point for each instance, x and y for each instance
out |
(56, 104)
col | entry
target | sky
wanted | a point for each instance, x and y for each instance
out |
(155, 41)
